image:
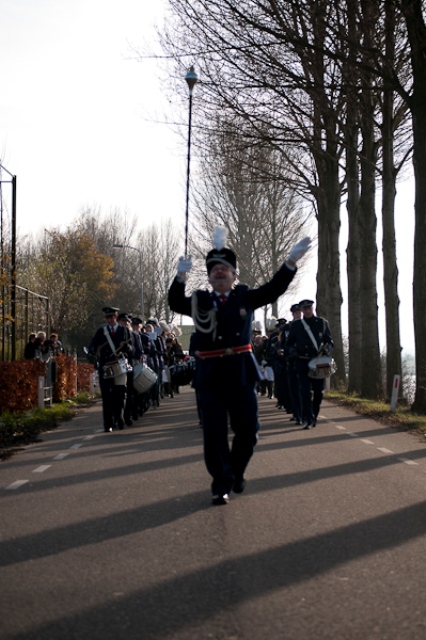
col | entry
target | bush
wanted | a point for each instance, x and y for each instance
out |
(19, 381)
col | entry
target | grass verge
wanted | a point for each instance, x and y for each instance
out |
(403, 418)
(19, 429)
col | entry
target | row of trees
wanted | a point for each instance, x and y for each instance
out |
(79, 271)
(335, 94)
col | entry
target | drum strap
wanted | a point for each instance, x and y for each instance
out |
(108, 337)
(310, 334)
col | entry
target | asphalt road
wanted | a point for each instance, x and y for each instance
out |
(112, 536)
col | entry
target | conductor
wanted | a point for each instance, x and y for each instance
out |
(226, 371)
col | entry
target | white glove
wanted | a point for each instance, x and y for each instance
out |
(184, 266)
(300, 249)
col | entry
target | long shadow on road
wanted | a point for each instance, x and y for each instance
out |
(199, 595)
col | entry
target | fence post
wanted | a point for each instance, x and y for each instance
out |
(49, 382)
(395, 392)
(41, 384)
(92, 383)
(76, 374)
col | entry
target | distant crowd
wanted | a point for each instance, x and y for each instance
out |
(40, 347)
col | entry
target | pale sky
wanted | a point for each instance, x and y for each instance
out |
(77, 113)
(82, 124)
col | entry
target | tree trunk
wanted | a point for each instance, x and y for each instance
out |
(353, 250)
(416, 28)
(371, 365)
(329, 295)
(390, 268)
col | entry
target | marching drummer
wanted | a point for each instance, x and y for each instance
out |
(110, 344)
(134, 357)
(309, 337)
(226, 369)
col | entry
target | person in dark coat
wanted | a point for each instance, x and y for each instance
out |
(226, 369)
(141, 400)
(309, 337)
(290, 353)
(280, 369)
(30, 347)
(133, 358)
(113, 395)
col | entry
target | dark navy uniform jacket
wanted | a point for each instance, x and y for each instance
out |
(300, 344)
(233, 328)
(100, 342)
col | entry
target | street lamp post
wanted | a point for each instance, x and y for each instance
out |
(126, 246)
(12, 265)
(191, 79)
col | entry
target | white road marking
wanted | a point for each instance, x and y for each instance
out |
(407, 461)
(61, 456)
(88, 437)
(16, 485)
(76, 446)
(42, 468)
(366, 441)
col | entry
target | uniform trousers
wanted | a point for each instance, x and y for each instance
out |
(294, 388)
(311, 391)
(131, 398)
(225, 463)
(113, 398)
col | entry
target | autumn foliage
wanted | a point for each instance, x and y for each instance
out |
(19, 381)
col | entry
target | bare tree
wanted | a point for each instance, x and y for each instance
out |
(160, 246)
(263, 62)
(245, 190)
(413, 12)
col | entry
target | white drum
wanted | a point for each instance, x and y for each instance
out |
(321, 367)
(117, 369)
(143, 378)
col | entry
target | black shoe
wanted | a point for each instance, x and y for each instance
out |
(128, 422)
(307, 426)
(108, 429)
(299, 422)
(119, 423)
(239, 485)
(219, 498)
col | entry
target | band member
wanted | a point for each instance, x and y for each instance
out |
(226, 370)
(109, 342)
(141, 400)
(295, 402)
(310, 336)
(281, 389)
(133, 358)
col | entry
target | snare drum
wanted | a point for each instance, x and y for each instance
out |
(143, 378)
(182, 373)
(117, 369)
(321, 367)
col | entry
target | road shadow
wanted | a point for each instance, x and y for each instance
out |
(183, 601)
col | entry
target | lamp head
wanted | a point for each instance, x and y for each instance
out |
(191, 79)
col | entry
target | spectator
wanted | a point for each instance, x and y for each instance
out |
(29, 352)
